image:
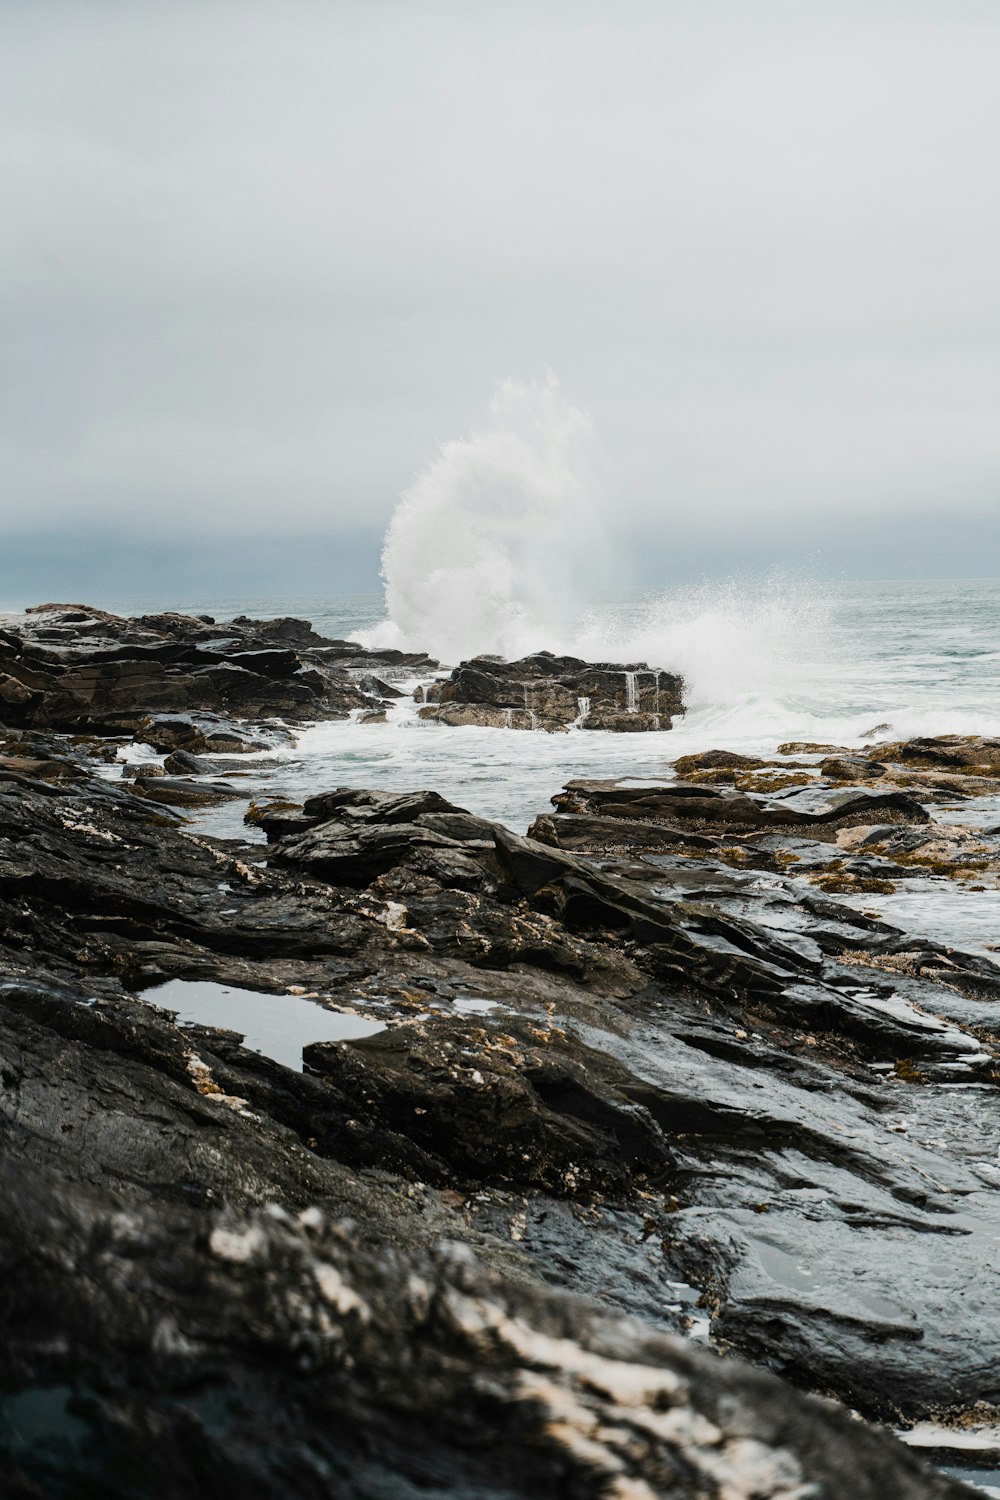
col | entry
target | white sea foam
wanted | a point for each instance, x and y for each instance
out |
(486, 548)
(492, 547)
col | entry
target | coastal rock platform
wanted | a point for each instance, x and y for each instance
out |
(601, 1153)
(550, 692)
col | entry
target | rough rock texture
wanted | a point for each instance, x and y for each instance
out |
(629, 1084)
(71, 667)
(550, 692)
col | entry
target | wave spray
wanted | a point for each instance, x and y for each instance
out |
(491, 542)
(497, 547)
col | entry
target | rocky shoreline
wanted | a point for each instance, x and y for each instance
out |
(658, 1132)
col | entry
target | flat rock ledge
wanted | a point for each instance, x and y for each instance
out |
(550, 692)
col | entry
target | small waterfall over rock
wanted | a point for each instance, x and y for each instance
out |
(553, 693)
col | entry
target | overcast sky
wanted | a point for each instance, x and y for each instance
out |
(258, 259)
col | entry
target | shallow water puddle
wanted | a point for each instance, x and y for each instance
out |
(278, 1026)
(471, 1007)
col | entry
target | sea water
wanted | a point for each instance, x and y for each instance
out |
(765, 661)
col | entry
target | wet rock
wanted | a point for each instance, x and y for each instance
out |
(180, 792)
(353, 837)
(48, 768)
(368, 1368)
(822, 809)
(183, 763)
(481, 715)
(710, 760)
(277, 816)
(72, 668)
(502, 1102)
(851, 768)
(551, 692)
(809, 747)
(968, 752)
(615, 1066)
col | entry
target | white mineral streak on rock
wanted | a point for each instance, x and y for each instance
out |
(630, 1383)
(597, 1407)
(201, 1076)
(237, 1245)
(518, 1226)
(96, 833)
(336, 1291)
(168, 1338)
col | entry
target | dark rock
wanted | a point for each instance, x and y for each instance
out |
(816, 808)
(183, 763)
(376, 687)
(367, 1368)
(69, 668)
(277, 816)
(716, 760)
(618, 1068)
(550, 692)
(851, 768)
(180, 792)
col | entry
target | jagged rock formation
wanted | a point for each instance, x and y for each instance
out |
(278, 1351)
(550, 692)
(636, 1074)
(219, 1271)
(71, 667)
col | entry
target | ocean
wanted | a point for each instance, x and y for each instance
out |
(765, 661)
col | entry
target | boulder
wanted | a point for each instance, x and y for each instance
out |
(550, 692)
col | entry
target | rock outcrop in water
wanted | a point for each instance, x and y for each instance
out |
(638, 1077)
(74, 668)
(550, 692)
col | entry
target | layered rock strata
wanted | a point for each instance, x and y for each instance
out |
(624, 1090)
(550, 692)
(74, 668)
